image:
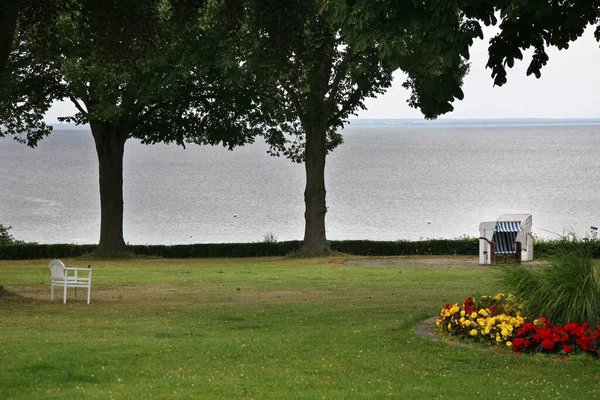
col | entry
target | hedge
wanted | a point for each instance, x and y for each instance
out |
(259, 249)
(466, 246)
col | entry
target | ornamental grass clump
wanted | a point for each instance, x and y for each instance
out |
(565, 291)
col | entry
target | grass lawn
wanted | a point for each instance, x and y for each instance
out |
(261, 328)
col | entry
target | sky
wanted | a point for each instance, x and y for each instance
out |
(568, 88)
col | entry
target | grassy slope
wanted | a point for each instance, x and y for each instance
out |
(257, 328)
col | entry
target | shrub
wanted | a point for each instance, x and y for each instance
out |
(270, 237)
(567, 290)
(6, 237)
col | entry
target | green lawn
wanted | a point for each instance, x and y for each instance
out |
(279, 328)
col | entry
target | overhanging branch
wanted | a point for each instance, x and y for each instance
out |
(77, 105)
(340, 72)
(296, 102)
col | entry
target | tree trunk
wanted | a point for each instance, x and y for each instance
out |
(315, 241)
(110, 146)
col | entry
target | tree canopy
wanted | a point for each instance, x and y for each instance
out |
(316, 63)
(537, 25)
(310, 82)
(154, 70)
(534, 24)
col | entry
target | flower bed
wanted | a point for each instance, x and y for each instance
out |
(498, 321)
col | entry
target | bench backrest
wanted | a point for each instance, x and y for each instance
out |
(57, 269)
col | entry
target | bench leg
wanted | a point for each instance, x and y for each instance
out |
(89, 290)
(51, 291)
(75, 294)
(65, 295)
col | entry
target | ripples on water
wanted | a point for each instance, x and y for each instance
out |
(382, 184)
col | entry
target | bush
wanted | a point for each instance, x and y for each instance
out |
(567, 290)
(6, 237)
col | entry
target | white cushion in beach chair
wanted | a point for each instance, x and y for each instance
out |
(69, 277)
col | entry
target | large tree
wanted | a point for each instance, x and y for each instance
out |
(316, 74)
(312, 82)
(148, 69)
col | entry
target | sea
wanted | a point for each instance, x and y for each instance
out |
(389, 180)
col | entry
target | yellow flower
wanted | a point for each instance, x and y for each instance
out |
(483, 313)
(468, 322)
(509, 344)
(499, 296)
(498, 338)
(462, 313)
(449, 326)
(473, 315)
(473, 332)
(454, 309)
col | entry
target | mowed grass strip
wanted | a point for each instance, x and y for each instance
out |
(260, 328)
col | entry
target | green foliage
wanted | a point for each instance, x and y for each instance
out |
(273, 247)
(6, 237)
(544, 248)
(209, 250)
(427, 40)
(270, 237)
(467, 246)
(537, 25)
(311, 80)
(566, 290)
(257, 249)
(156, 70)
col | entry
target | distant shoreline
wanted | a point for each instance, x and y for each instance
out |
(419, 122)
(413, 122)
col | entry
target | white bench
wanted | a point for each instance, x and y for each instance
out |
(69, 277)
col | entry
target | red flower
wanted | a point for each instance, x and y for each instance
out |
(571, 328)
(467, 304)
(585, 343)
(517, 343)
(547, 344)
(526, 328)
(546, 333)
(568, 349)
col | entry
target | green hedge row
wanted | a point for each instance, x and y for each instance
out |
(260, 249)
(545, 248)
(405, 248)
(467, 246)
